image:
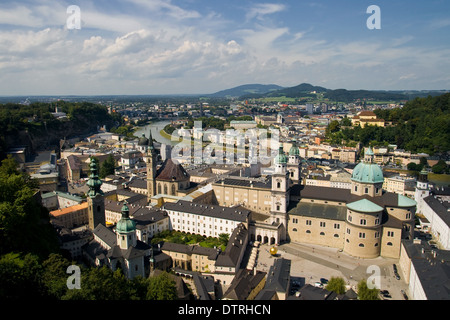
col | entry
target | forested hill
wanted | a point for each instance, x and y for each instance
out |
(35, 125)
(421, 126)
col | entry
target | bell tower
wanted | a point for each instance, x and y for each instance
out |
(96, 202)
(280, 192)
(151, 169)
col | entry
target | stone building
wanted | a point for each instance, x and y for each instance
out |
(364, 221)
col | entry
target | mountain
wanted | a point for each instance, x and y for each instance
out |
(247, 89)
(302, 90)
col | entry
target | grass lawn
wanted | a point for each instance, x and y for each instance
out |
(439, 179)
(190, 239)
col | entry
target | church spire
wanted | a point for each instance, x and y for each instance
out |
(94, 183)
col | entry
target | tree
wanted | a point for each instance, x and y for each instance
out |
(364, 293)
(108, 167)
(440, 167)
(20, 276)
(100, 284)
(54, 276)
(161, 287)
(24, 222)
(223, 239)
(336, 284)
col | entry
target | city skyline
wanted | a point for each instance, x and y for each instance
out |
(200, 47)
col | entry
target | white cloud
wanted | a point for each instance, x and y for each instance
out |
(261, 10)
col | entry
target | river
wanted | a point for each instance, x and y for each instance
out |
(155, 127)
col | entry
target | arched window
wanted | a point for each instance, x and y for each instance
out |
(173, 190)
(159, 188)
(308, 231)
(165, 189)
(361, 245)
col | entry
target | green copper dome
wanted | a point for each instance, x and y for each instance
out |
(125, 224)
(367, 173)
(281, 157)
(294, 151)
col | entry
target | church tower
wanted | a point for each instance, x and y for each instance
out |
(280, 192)
(294, 165)
(422, 189)
(151, 168)
(126, 230)
(96, 202)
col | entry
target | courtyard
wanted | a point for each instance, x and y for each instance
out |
(310, 263)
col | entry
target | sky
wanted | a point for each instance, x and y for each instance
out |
(132, 47)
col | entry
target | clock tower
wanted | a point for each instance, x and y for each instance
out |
(280, 192)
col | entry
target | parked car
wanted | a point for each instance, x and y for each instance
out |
(385, 294)
(323, 281)
(318, 285)
(404, 295)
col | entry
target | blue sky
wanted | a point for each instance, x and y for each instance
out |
(203, 46)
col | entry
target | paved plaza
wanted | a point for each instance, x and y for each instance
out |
(310, 263)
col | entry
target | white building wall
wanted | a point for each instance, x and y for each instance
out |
(199, 224)
(438, 227)
(415, 286)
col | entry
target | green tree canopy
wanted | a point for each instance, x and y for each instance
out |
(161, 287)
(364, 293)
(336, 284)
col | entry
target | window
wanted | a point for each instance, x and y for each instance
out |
(295, 229)
(390, 233)
(308, 222)
(322, 224)
(363, 222)
(362, 235)
(361, 245)
(366, 190)
(308, 231)
(356, 188)
(337, 226)
(377, 235)
(322, 233)
(336, 235)
(377, 221)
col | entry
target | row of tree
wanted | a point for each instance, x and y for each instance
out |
(337, 285)
(26, 276)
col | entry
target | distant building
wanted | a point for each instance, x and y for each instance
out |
(365, 118)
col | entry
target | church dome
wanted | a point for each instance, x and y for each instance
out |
(281, 157)
(367, 173)
(143, 141)
(294, 151)
(125, 224)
